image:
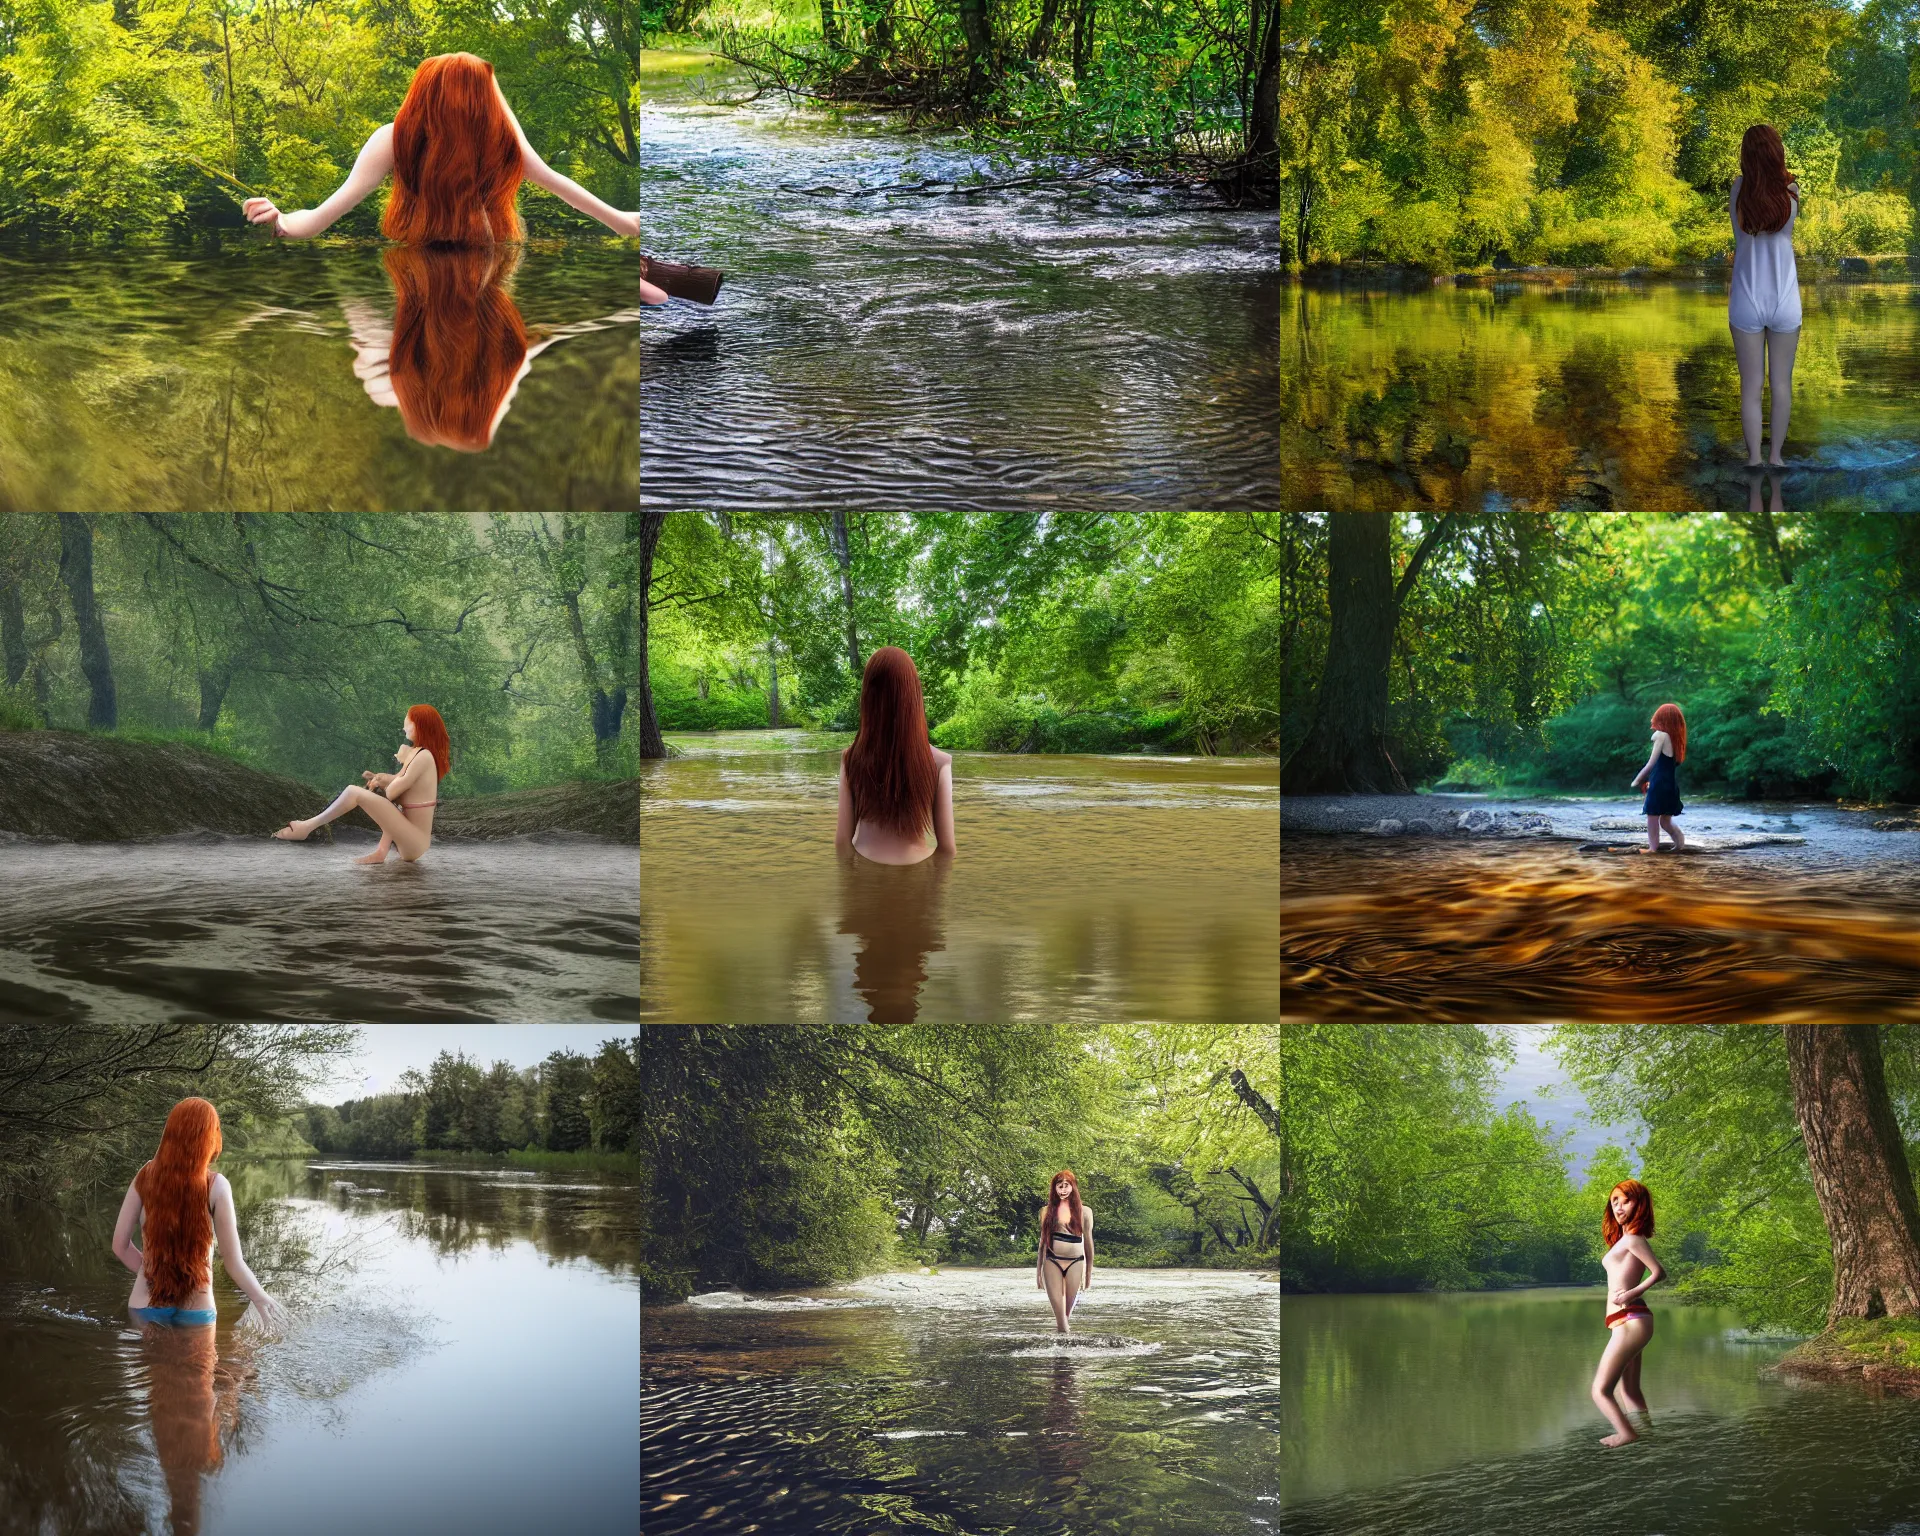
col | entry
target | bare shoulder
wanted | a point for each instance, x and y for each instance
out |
(1661, 736)
(944, 759)
(222, 1190)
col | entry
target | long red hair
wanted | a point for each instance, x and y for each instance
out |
(176, 1226)
(891, 774)
(1764, 204)
(1073, 1204)
(456, 158)
(1669, 719)
(430, 735)
(458, 342)
(1639, 1219)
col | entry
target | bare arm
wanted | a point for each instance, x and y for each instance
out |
(843, 825)
(1040, 1256)
(566, 188)
(376, 160)
(1086, 1216)
(943, 810)
(123, 1248)
(1659, 742)
(416, 772)
(227, 1234)
(1643, 1251)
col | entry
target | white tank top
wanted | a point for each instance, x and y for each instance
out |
(1766, 285)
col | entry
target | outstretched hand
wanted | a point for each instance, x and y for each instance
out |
(268, 1317)
(293, 226)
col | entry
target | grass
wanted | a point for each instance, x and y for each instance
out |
(205, 741)
(1884, 1340)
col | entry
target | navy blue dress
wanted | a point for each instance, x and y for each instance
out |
(1663, 788)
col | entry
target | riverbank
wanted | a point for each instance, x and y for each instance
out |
(1883, 1354)
(1397, 275)
(551, 1162)
(75, 786)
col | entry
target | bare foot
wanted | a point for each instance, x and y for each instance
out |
(294, 832)
(1623, 1438)
(1776, 463)
(378, 856)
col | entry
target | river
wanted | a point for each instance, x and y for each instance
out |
(1596, 394)
(1085, 889)
(1093, 348)
(1466, 1414)
(474, 1369)
(210, 927)
(945, 1403)
(228, 376)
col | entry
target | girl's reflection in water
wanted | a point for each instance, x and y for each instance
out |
(1061, 1448)
(895, 910)
(453, 357)
(192, 1398)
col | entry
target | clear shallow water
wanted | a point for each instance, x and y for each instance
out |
(1085, 888)
(1468, 1415)
(1599, 394)
(232, 928)
(1112, 348)
(945, 1403)
(224, 378)
(476, 1370)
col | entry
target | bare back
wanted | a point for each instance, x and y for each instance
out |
(883, 845)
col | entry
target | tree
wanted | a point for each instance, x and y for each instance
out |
(76, 570)
(651, 526)
(614, 1102)
(566, 1082)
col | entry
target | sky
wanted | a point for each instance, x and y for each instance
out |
(387, 1050)
(1536, 1079)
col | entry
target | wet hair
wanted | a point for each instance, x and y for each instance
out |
(430, 734)
(1073, 1204)
(458, 341)
(1764, 204)
(1639, 1219)
(1669, 719)
(456, 158)
(176, 1226)
(891, 774)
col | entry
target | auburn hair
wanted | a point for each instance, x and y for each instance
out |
(458, 342)
(456, 158)
(430, 735)
(174, 1189)
(891, 774)
(1639, 1219)
(1669, 719)
(1073, 1204)
(1764, 204)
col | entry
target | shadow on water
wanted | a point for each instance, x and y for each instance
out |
(1106, 347)
(1443, 932)
(895, 912)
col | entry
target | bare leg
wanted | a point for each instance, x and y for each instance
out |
(1056, 1293)
(1628, 1392)
(1073, 1291)
(379, 855)
(1653, 834)
(1749, 350)
(1673, 832)
(300, 831)
(388, 817)
(1627, 1341)
(1781, 346)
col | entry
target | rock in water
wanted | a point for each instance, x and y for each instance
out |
(1420, 827)
(1388, 827)
(1479, 820)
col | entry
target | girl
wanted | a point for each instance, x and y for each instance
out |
(1065, 1268)
(1662, 776)
(1626, 1227)
(1763, 304)
(401, 804)
(895, 785)
(457, 156)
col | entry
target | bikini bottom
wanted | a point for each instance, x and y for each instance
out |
(1627, 1315)
(180, 1317)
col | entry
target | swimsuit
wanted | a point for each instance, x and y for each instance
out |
(174, 1316)
(1064, 1265)
(1628, 1313)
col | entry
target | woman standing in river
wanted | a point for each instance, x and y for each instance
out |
(1627, 1225)
(896, 787)
(1763, 301)
(401, 804)
(1662, 776)
(1065, 1268)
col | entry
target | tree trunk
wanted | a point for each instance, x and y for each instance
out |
(1042, 40)
(843, 554)
(214, 682)
(1263, 117)
(651, 524)
(1859, 1166)
(829, 25)
(978, 31)
(13, 630)
(1345, 750)
(1082, 39)
(76, 572)
(773, 683)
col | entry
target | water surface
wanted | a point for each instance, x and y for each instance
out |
(475, 1369)
(1595, 394)
(1468, 1415)
(1094, 348)
(213, 927)
(235, 376)
(946, 1403)
(1085, 889)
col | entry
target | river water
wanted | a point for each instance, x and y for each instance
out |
(474, 1369)
(1537, 932)
(945, 1403)
(229, 377)
(1098, 348)
(1597, 394)
(1467, 1414)
(1090, 889)
(211, 927)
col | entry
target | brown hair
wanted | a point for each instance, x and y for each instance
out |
(891, 775)
(1765, 182)
(456, 158)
